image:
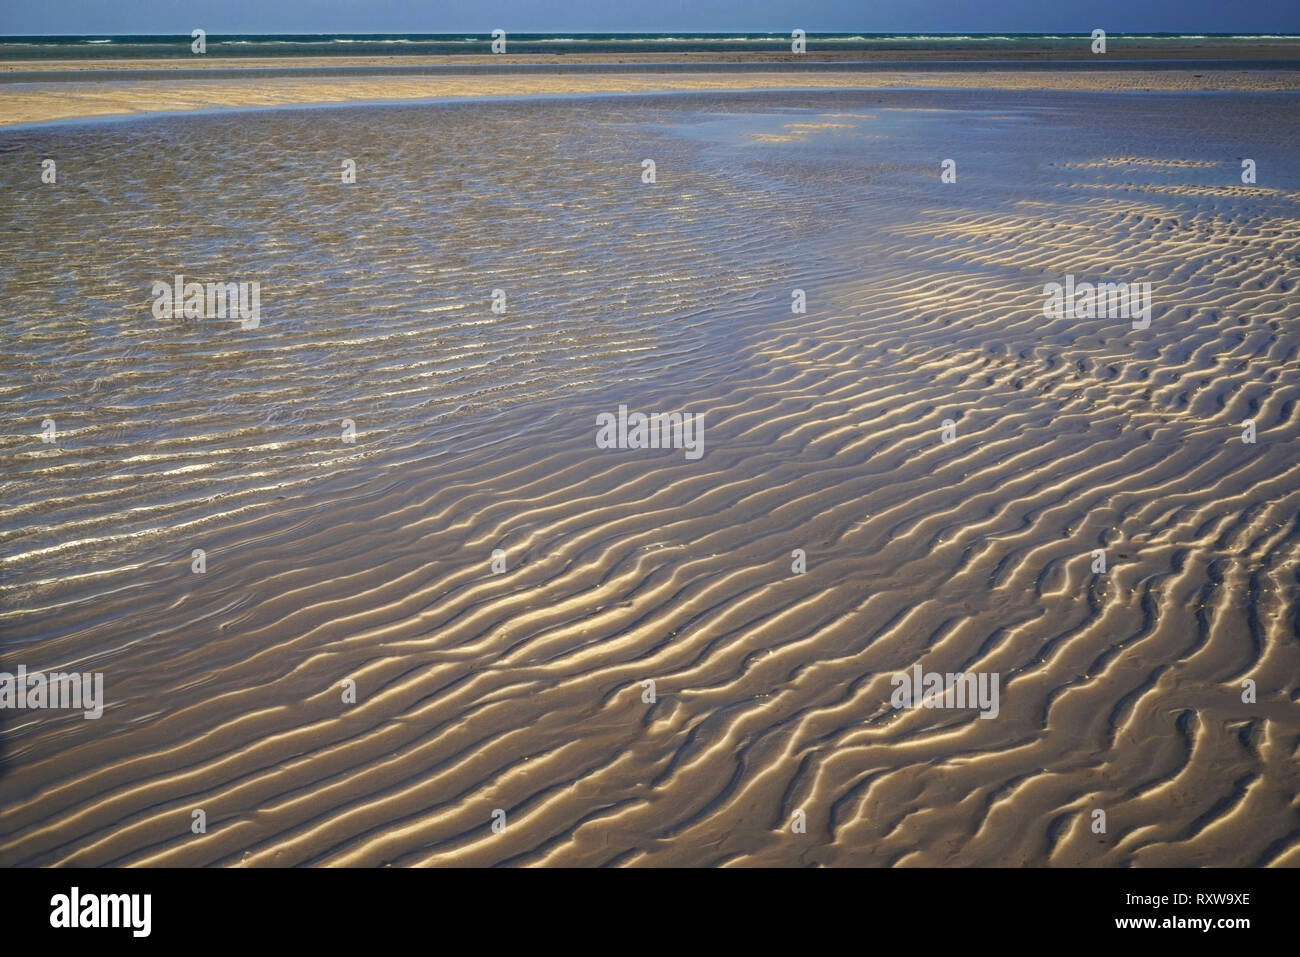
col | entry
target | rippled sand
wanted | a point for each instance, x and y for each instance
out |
(523, 691)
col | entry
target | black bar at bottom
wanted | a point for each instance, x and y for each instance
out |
(332, 907)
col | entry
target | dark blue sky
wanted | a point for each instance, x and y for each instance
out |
(553, 16)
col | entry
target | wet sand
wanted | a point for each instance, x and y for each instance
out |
(522, 690)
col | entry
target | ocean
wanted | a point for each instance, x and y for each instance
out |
(420, 44)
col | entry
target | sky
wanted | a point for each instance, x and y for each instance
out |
(178, 17)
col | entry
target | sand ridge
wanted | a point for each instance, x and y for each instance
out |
(37, 102)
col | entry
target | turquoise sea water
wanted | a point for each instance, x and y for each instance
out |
(96, 47)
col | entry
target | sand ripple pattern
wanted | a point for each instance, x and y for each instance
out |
(523, 691)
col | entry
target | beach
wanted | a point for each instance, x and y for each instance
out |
(463, 610)
(39, 102)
